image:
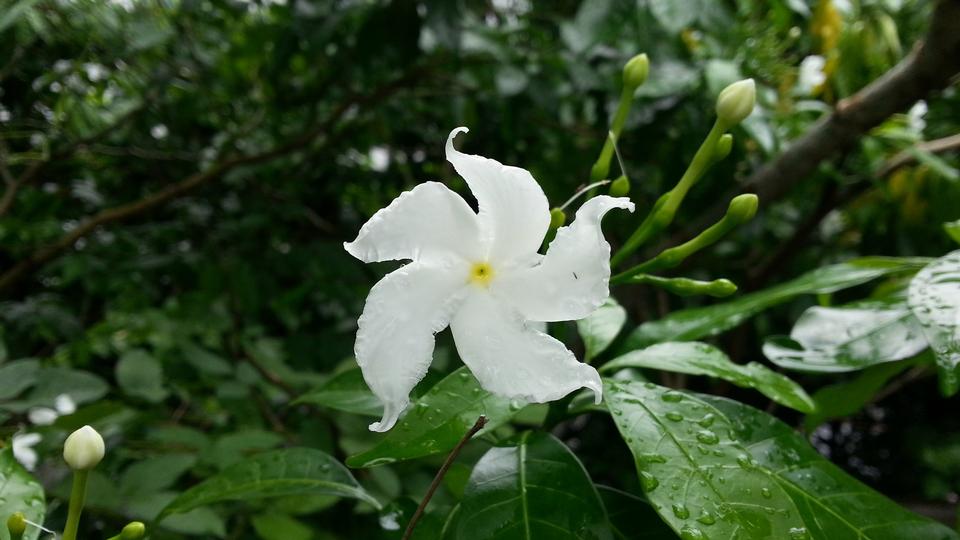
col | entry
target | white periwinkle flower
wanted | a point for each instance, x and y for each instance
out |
(480, 273)
(83, 449)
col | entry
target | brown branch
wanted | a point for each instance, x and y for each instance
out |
(907, 157)
(482, 421)
(109, 216)
(929, 68)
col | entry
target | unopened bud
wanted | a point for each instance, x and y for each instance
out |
(736, 102)
(599, 170)
(620, 187)
(635, 71)
(133, 531)
(742, 208)
(83, 449)
(17, 525)
(557, 218)
(724, 145)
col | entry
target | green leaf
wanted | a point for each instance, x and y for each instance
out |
(696, 358)
(536, 488)
(437, 421)
(140, 375)
(845, 398)
(51, 382)
(292, 471)
(830, 340)
(692, 471)
(934, 297)
(17, 376)
(14, 13)
(273, 526)
(632, 517)
(833, 505)
(695, 323)
(346, 392)
(953, 230)
(675, 15)
(601, 327)
(19, 492)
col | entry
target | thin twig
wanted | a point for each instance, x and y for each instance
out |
(482, 421)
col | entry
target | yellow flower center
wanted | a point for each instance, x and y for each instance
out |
(481, 273)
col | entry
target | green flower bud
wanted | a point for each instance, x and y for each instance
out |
(635, 71)
(620, 187)
(736, 102)
(17, 525)
(724, 145)
(599, 170)
(133, 531)
(83, 449)
(742, 208)
(557, 218)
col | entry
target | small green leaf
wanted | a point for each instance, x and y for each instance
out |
(346, 392)
(601, 327)
(19, 492)
(437, 421)
(953, 230)
(847, 397)
(272, 526)
(830, 340)
(140, 375)
(292, 471)
(695, 323)
(17, 376)
(934, 297)
(832, 504)
(536, 488)
(675, 15)
(632, 517)
(692, 471)
(696, 358)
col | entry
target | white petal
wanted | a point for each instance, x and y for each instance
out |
(429, 222)
(395, 340)
(514, 212)
(573, 277)
(511, 358)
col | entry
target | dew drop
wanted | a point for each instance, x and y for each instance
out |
(706, 518)
(766, 493)
(799, 533)
(707, 437)
(648, 481)
(680, 510)
(707, 420)
(671, 396)
(674, 416)
(692, 533)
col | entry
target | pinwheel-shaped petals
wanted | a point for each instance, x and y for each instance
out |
(479, 273)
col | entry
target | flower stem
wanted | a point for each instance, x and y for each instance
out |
(482, 421)
(666, 207)
(77, 498)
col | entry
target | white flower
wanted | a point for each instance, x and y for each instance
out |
(23, 449)
(480, 273)
(45, 416)
(811, 74)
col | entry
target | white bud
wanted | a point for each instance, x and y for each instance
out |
(736, 102)
(83, 449)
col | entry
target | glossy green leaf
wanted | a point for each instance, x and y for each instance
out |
(437, 421)
(632, 517)
(346, 392)
(695, 323)
(934, 297)
(833, 505)
(841, 339)
(17, 376)
(696, 358)
(536, 488)
(692, 471)
(675, 15)
(292, 471)
(847, 397)
(601, 327)
(19, 492)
